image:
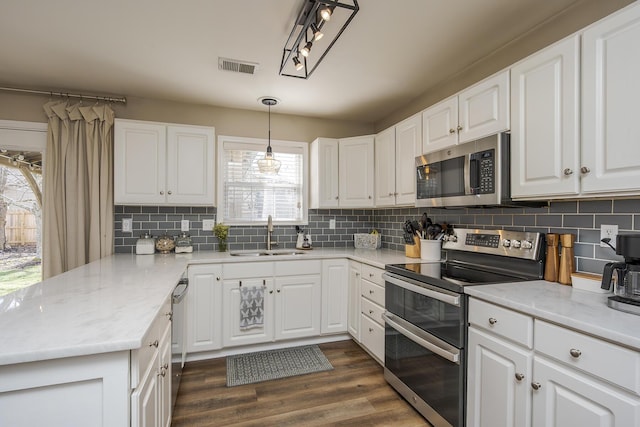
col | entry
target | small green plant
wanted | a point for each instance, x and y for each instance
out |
(221, 231)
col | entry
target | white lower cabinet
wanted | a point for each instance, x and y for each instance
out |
(291, 301)
(371, 309)
(353, 324)
(335, 293)
(204, 308)
(565, 378)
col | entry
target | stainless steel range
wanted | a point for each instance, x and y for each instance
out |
(426, 314)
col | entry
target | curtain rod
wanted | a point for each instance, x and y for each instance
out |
(121, 99)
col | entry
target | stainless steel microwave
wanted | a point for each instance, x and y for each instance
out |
(474, 173)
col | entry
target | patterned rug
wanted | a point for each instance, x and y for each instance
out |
(273, 364)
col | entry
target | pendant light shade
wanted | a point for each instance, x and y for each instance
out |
(269, 164)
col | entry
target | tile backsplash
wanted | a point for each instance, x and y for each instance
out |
(582, 218)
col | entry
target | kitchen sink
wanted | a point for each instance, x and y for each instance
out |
(267, 253)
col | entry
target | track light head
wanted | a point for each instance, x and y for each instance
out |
(317, 34)
(297, 63)
(326, 11)
(306, 49)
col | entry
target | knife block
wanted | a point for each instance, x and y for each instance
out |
(413, 251)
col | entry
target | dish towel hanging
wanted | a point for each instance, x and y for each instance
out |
(251, 307)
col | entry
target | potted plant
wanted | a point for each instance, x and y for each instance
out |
(221, 231)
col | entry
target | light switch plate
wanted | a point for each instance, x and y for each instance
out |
(184, 225)
(127, 225)
(610, 231)
(208, 224)
(332, 224)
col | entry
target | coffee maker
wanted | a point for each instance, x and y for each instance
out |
(627, 287)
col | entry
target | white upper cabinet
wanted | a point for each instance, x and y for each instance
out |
(481, 110)
(325, 191)
(356, 171)
(545, 122)
(342, 172)
(158, 163)
(408, 147)
(611, 91)
(385, 158)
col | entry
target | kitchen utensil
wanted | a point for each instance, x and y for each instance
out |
(552, 263)
(567, 259)
(408, 233)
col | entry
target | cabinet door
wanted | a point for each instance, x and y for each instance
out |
(484, 108)
(325, 189)
(545, 122)
(190, 165)
(233, 334)
(204, 308)
(356, 172)
(385, 158)
(164, 386)
(495, 395)
(297, 306)
(145, 399)
(373, 337)
(566, 397)
(139, 162)
(335, 294)
(408, 147)
(354, 300)
(610, 126)
(439, 125)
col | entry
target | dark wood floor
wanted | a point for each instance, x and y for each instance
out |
(354, 393)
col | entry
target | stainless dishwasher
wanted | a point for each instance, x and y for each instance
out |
(178, 335)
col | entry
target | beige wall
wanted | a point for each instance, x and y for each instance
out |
(578, 16)
(227, 121)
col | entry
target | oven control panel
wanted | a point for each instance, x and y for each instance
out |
(515, 244)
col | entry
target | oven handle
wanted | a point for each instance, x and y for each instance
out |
(424, 341)
(440, 296)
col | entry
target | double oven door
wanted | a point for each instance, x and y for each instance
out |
(424, 348)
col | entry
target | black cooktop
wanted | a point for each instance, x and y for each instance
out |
(450, 275)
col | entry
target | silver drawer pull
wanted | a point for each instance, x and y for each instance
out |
(493, 320)
(370, 329)
(370, 311)
(574, 352)
(536, 386)
(519, 376)
(370, 291)
(154, 344)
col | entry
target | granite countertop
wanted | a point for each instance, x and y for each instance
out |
(109, 304)
(572, 308)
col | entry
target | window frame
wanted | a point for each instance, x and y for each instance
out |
(261, 145)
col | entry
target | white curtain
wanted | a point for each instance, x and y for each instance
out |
(77, 186)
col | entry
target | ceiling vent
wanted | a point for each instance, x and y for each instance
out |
(237, 66)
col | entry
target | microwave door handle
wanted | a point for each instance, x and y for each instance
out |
(474, 174)
(467, 174)
(423, 341)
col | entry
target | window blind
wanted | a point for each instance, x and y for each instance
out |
(249, 196)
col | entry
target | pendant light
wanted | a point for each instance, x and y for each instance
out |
(269, 165)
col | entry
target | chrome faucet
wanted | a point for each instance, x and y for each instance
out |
(270, 243)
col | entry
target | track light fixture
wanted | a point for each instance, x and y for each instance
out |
(310, 27)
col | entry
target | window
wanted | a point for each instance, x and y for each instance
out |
(248, 197)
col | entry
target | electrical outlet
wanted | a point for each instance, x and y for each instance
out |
(610, 231)
(208, 224)
(332, 224)
(184, 225)
(127, 225)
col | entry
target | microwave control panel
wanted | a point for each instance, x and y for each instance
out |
(485, 163)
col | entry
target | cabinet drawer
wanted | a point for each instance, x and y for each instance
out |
(611, 362)
(373, 292)
(372, 337)
(297, 268)
(506, 323)
(242, 270)
(372, 310)
(372, 274)
(141, 357)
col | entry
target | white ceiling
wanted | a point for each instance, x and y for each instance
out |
(393, 51)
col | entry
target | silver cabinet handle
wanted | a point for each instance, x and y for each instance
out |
(371, 274)
(370, 292)
(459, 128)
(278, 291)
(370, 197)
(162, 193)
(568, 172)
(519, 376)
(575, 353)
(370, 311)
(218, 279)
(536, 386)
(585, 169)
(169, 192)
(336, 197)
(271, 291)
(154, 344)
(370, 329)
(452, 131)
(493, 320)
